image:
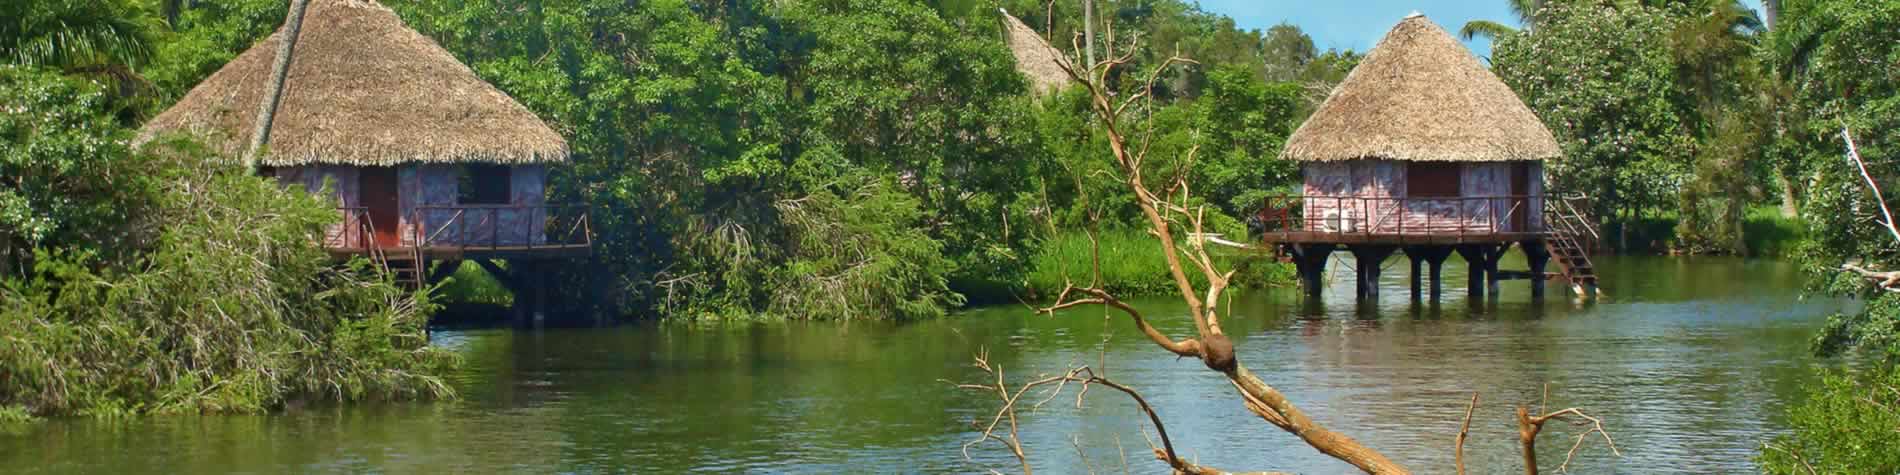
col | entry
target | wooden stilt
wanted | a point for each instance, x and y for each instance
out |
(539, 281)
(1435, 257)
(1493, 254)
(1310, 260)
(1475, 257)
(1416, 259)
(1369, 262)
(1538, 256)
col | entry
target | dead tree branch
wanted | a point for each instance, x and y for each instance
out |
(1164, 213)
(1885, 213)
(1890, 280)
(1085, 377)
(1528, 427)
(1458, 449)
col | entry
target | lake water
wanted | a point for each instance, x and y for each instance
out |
(1690, 362)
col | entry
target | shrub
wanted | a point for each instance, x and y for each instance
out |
(1848, 426)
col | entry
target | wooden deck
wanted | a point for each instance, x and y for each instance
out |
(546, 251)
(1397, 239)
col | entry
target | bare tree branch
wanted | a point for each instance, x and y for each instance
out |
(1463, 430)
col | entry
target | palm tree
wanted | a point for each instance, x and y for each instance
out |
(1524, 10)
(106, 40)
(75, 34)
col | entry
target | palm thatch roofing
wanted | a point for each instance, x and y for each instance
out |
(363, 90)
(1043, 64)
(1420, 95)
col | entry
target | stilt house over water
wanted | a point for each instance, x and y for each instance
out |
(1422, 149)
(425, 160)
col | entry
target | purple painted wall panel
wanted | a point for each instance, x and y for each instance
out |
(514, 224)
(1365, 195)
(343, 186)
(420, 186)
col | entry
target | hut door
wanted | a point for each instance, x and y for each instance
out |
(378, 194)
(1520, 199)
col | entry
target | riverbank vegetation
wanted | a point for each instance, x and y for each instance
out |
(169, 280)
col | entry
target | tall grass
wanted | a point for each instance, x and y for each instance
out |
(1132, 264)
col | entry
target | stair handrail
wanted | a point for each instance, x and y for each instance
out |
(1570, 210)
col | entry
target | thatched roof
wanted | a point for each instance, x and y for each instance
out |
(363, 90)
(1420, 95)
(1034, 57)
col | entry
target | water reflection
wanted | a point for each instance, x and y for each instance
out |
(1690, 360)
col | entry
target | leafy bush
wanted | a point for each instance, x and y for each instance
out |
(217, 296)
(1848, 426)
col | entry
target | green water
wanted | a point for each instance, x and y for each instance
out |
(1690, 361)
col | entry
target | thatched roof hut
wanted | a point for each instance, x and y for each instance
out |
(1420, 95)
(1043, 64)
(363, 90)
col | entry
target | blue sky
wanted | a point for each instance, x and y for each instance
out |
(1358, 24)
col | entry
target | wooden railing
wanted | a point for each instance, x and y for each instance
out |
(1446, 216)
(359, 232)
(500, 226)
(1568, 213)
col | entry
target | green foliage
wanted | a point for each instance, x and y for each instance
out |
(1848, 81)
(861, 254)
(204, 37)
(75, 34)
(66, 177)
(1603, 80)
(472, 285)
(1846, 426)
(1131, 264)
(186, 286)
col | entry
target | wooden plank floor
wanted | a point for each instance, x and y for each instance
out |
(545, 251)
(1320, 237)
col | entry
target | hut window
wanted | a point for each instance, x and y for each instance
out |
(483, 184)
(1433, 180)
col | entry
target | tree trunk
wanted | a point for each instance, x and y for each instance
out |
(267, 111)
(1088, 32)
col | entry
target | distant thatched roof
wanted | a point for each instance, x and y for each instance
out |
(1034, 57)
(363, 90)
(1419, 95)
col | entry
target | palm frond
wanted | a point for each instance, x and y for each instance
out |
(1484, 28)
(66, 34)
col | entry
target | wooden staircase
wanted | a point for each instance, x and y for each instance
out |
(404, 265)
(407, 268)
(1572, 236)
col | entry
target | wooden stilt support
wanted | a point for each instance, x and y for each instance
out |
(1423, 257)
(1369, 265)
(1538, 256)
(1493, 254)
(1475, 256)
(1417, 260)
(1435, 257)
(539, 280)
(1310, 260)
